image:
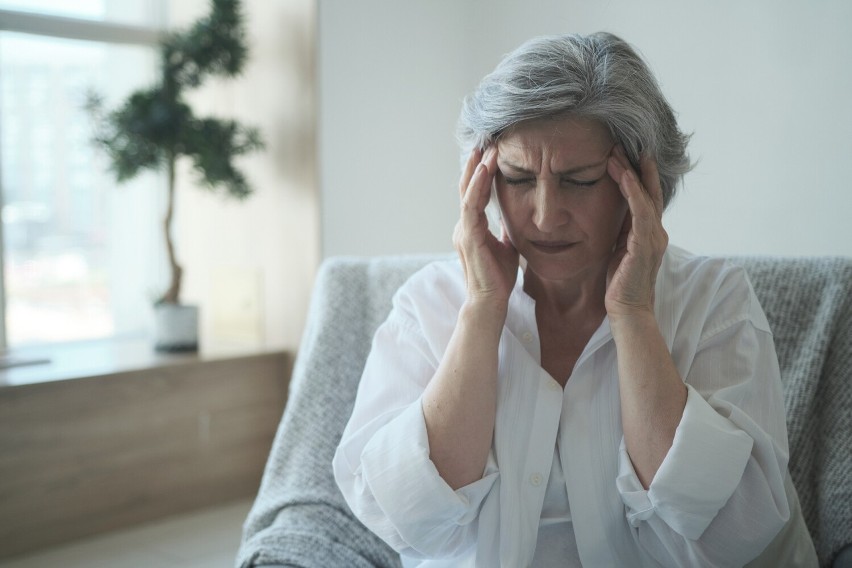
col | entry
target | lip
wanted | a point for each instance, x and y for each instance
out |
(552, 247)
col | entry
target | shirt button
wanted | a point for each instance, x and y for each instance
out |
(535, 479)
(527, 336)
(554, 386)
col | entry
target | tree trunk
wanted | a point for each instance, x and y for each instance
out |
(172, 295)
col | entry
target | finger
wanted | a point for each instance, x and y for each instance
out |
(476, 198)
(638, 200)
(625, 175)
(642, 215)
(504, 235)
(614, 168)
(479, 189)
(621, 156)
(472, 161)
(649, 179)
(651, 182)
(618, 163)
(489, 158)
(626, 226)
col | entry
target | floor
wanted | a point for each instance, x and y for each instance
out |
(204, 539)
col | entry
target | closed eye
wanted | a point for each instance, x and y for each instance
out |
(581, 183)
(518, 181)
(522, 181)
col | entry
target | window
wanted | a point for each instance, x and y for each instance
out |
(82, 256)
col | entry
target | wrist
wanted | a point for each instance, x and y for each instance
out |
(483, 315)
(633, 320)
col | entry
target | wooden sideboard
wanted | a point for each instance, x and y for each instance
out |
(93, 454)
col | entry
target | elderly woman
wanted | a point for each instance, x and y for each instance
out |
(575, 391)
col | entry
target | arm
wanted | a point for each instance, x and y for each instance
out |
(460, 402)
(413, 462)
(652, 392)
(382, 465)
(719, 496)
(653, 395)
(702, 467)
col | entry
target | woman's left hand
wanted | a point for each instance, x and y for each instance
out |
(652, 392)
(639, 250)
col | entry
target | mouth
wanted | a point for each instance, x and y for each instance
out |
(552, 247)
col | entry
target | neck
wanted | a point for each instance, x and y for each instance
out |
(583, 293)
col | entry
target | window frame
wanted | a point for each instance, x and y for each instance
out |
(46, 25)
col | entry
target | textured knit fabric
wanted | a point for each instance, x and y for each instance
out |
(300, 518)
(808, 303)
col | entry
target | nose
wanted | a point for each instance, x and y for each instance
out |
(548, 214)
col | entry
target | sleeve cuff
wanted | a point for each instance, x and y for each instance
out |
(408, 488)
(698, 475)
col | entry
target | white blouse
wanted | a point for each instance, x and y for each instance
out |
(718, 498)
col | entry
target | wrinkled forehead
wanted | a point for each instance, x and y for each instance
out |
(567, 139)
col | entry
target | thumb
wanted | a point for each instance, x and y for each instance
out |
(504, 234)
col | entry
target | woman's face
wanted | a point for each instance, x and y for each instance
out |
(561, 209)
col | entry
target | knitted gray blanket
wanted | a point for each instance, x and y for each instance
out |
(299, 518)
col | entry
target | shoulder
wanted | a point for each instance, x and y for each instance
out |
(435, 291)
(438, 279)
(710, 289)
(694, 269)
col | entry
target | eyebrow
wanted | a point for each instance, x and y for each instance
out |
(569, 171)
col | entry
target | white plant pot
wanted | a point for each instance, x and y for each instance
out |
(175, 327)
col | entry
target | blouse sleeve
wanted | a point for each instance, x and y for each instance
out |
(719, 496)
(382, 464)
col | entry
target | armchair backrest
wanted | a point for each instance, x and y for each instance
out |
(808, 302)
(300, 518)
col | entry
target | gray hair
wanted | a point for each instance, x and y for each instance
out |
(598, 76)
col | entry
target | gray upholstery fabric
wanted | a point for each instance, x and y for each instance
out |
(808, 302)
(299, 518)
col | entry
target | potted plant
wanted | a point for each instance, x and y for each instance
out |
(154, 127)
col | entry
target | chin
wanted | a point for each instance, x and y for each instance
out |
(551, 268)
(562, 266)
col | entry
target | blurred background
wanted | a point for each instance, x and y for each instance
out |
(84, 255)
(761, 85)
(358, 102)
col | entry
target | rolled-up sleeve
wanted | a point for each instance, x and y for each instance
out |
(719, 495)
(382, 464)
(700, 473)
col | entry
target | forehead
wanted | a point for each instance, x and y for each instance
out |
(571, 139)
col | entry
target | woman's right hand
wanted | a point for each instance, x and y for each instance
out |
(460, 402)
(490, 265)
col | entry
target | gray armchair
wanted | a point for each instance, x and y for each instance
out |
(299, 518)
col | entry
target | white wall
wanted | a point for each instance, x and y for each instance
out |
(763, 85)
(391, 76)
(252, 264)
